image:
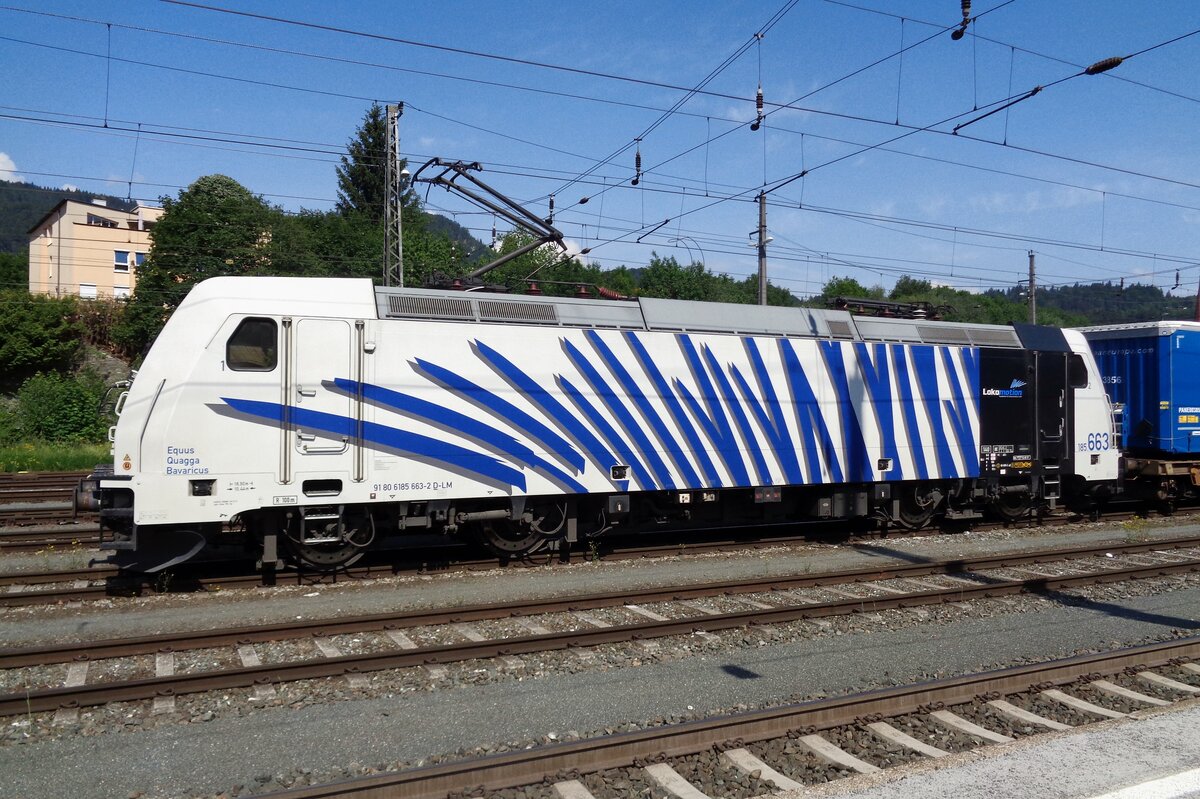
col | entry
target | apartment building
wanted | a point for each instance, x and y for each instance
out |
(89, 250)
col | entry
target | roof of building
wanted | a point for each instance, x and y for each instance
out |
(126, 215)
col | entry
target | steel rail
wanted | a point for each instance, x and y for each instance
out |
(26, 534)
(60, 576)
(133, 584)
(532, 766)
(36, 542)
(102, 693)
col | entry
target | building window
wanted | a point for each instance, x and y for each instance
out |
(139, 258)
(87, 291)
(100, 221)
(121, 261)
(120, 292)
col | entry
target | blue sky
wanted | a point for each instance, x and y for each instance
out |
(1099, 175)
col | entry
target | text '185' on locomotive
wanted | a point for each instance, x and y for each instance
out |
(327, 416)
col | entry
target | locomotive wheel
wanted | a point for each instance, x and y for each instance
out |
(1013, 507)
(506, 538)
(328, 557)
(917, 506)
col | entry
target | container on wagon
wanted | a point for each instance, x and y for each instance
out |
(1152, 370)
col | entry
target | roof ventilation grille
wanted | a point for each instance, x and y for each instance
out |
(508, 311)
(840, 329)
(408, 306)
(943, 335)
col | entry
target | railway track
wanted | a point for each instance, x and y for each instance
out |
(64, 537)
(29, 498)
(38, 486)
(529, 627)
(102, 581)
(815, 740)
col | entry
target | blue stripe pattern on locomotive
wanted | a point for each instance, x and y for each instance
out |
(736, 424)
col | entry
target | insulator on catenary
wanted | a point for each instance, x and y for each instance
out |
(758, 105)
(958, 32)
(550, 219)
(637, 167)
(1104, 66)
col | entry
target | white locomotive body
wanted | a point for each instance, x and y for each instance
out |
(328, 414)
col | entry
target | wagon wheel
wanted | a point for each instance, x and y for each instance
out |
(917, 506)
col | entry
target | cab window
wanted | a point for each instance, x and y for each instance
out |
(252, 347)
(1077, 373)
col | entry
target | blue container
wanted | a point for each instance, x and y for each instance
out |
(1152, 369)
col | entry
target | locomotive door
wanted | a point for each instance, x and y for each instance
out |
(322, 415)
(1052, 406)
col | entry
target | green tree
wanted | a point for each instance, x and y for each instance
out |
(325, 244)
(14, 270)
(362, 173)
(215, 227)
(37, 333)
(667, 278)
(907, 287)
(848, 287)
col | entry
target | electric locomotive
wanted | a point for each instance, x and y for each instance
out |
(316, 418)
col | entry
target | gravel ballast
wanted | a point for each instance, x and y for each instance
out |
(205, 757)
(321, 730)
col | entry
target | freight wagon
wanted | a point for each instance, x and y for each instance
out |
(1152, 373)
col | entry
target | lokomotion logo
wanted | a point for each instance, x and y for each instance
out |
(1017, 389)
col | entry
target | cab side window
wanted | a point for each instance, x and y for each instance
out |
(253, 347)
(1077, 373)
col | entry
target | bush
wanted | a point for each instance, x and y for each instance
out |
(99, 320)
(51, 407)
(10, 426)
(37, 334)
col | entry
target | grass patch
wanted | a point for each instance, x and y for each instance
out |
(46, 457)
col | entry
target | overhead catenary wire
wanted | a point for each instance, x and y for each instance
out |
(682, 194)
(921, 224)
(777, 106)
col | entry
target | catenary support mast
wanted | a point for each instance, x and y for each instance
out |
(393, 244)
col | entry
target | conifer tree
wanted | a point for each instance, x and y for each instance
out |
(361, 175)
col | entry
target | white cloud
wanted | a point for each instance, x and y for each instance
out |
(69, 187)
(8, 169)
(1034, 201)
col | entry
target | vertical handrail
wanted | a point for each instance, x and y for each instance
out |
(285, 421)
(359, 376)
